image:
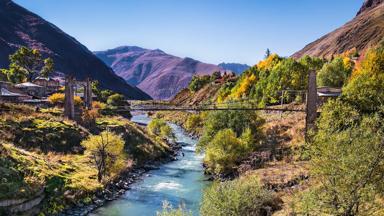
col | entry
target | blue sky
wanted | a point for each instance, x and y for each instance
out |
(212, 31)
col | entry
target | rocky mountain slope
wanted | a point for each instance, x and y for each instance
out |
(362, 32)
(20, 27)
(157, 73)
(234, 67)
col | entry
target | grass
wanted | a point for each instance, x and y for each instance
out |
(66, 176)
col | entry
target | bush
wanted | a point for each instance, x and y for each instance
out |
(193, 121)
(116, 100)
(98, 105)
(240, 197)
(168, 210)
(89, 117)
(57, 99)
(225, 151)
(160, 128)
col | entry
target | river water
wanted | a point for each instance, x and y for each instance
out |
(178, 182)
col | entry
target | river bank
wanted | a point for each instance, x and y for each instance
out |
(178, 182)
(123, 182)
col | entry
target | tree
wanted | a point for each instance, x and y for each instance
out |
(116, 100)
(335, 73)
(365, 90)
(347, 162)
(160, 128)
(27, 64)
(225, 151)
(106, 151)
(238, 121)
(267, 53)
(198, 82)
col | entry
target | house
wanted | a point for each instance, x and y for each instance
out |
(8, 96)
(51, 85)
(31, 89)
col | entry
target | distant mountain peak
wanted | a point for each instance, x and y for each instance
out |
(234, 67)
(157, 73)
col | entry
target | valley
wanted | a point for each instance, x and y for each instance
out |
(141, 132)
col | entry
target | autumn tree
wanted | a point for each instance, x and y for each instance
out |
(106, 151)
(27, 64)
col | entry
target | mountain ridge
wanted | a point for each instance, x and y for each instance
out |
(362, 32)
(157, 73)
(21, 27)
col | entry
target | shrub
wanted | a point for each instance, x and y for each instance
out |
(193, 121)
(240, 197)
(226, 150)
(168, 210)
(116, 100)
(57, 99)
(98, 105)
(89, 117)
(160, 128)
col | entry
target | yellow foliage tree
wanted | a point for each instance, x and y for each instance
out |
(107, 153)
(58, 99)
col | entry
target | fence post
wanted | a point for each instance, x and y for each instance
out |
(311, 108)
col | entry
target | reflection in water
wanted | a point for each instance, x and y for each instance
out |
(178, 182)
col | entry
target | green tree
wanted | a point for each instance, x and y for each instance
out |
(347, 162)
(240, 197)
(238, 121)
(267, 53)
(116, 100)
(27, 64)
(106, 151)
(335, 73)
(160, 128)
(198, 82)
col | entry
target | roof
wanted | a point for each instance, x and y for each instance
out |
(6, 93)
(328, 92)
(27, 84)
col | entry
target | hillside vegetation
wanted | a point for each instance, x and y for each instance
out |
(43, 155)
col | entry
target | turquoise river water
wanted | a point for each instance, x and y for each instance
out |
(178, 182)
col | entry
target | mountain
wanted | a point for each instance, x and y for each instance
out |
(362, 32)
(234, 67)
(20, 27)
(157, 73)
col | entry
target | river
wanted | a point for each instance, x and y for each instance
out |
(178, 182)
